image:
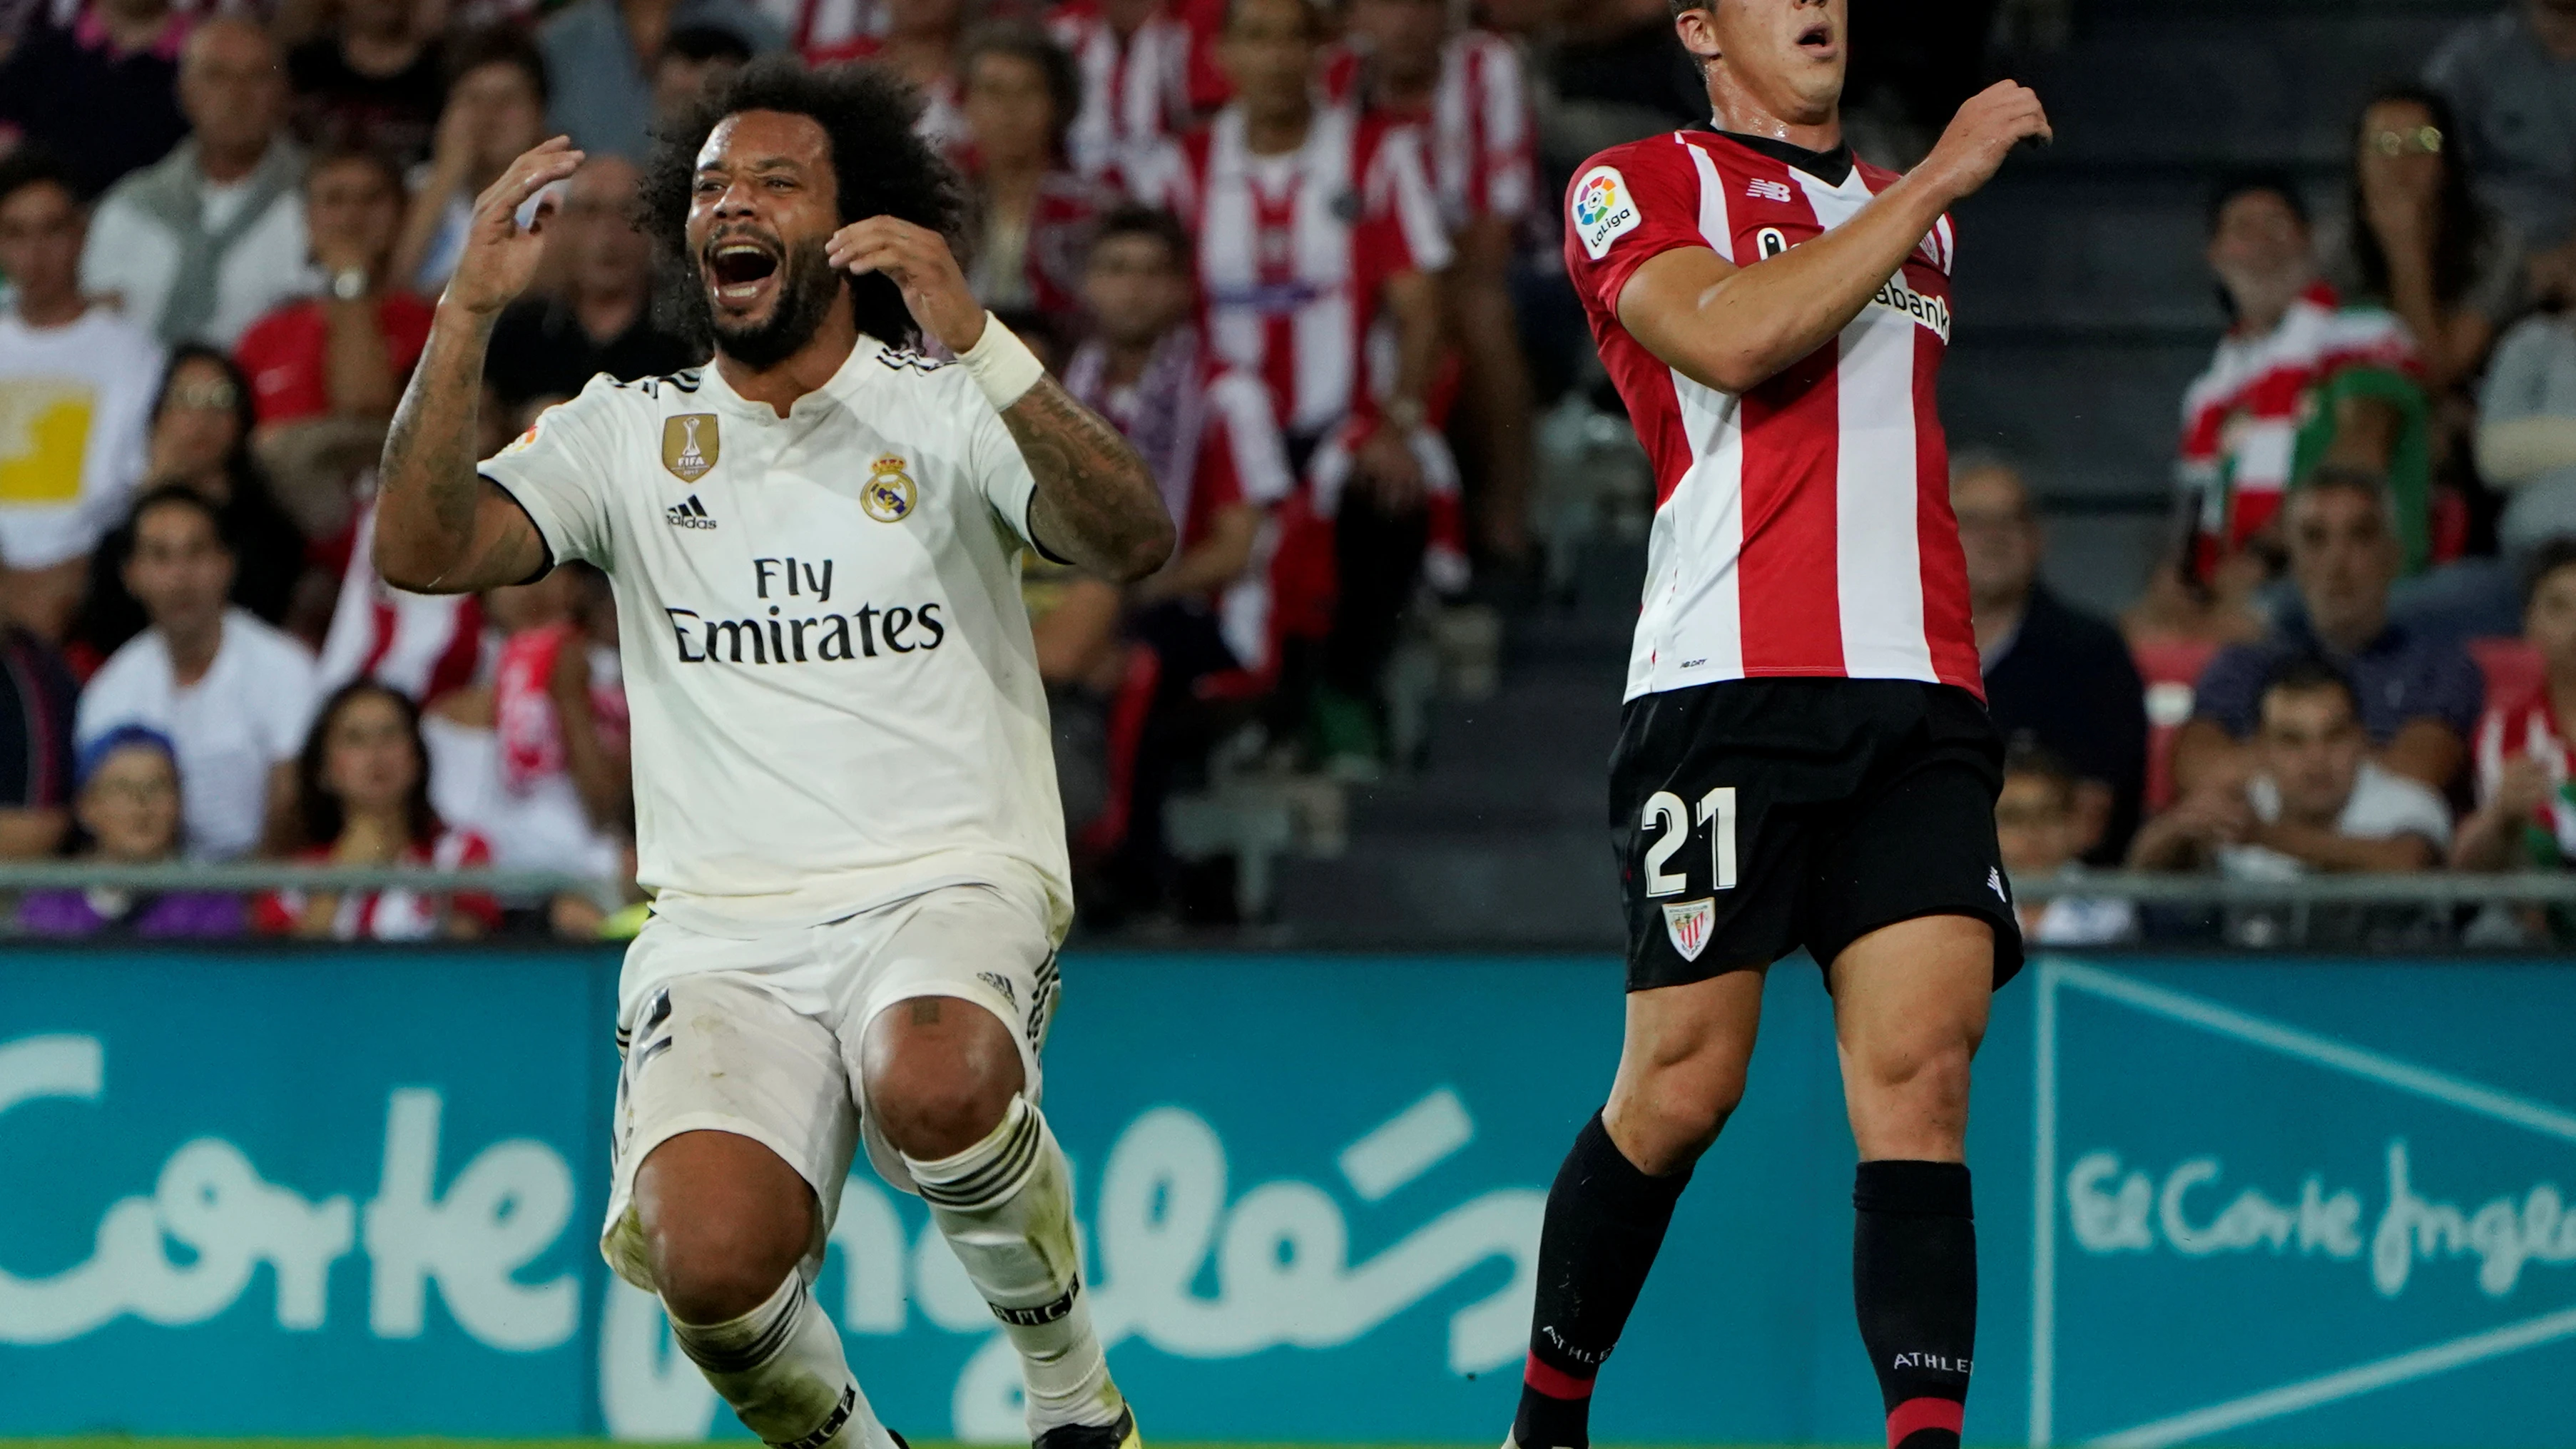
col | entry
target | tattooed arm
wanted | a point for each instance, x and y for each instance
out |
(1097, 505)
(441, 528)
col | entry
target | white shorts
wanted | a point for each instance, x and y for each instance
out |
(763, 1037)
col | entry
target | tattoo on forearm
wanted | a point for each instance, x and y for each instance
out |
(429, 479)
(1093, 486)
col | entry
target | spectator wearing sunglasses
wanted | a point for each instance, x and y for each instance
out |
(2416, 241)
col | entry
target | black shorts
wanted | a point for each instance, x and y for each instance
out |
(1753, 817)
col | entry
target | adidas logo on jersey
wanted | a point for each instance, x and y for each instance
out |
(691, 514)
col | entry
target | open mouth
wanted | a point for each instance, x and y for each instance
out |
(739, 270)
(1817, 39)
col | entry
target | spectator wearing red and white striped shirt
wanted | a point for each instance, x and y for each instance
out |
(420, 644)
(1310, 220)
(2526, 815)
(1138, 61)
(2292, 385)
(1313, 221)
(362, 798)
(1464, 92)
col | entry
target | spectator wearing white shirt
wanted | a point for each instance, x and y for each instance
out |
(202, 243)
(76, 385)
(2314, 802)
(233, 694)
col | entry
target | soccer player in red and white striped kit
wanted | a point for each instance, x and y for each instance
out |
(1804, 756)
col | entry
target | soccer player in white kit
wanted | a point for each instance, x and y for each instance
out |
(845, 799)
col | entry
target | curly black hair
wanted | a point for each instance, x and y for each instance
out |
(880, 165)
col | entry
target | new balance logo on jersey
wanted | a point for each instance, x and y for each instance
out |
(691, 514)
(1995, 883)
(1763, 189)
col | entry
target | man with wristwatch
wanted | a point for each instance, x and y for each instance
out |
(345, 352)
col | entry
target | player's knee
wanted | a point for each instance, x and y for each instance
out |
(1673, 1115)
(1914, 1103)
(724, 1221)
(932, 1105)
(712, 1269)
(940, 1075)
(1925, 1070)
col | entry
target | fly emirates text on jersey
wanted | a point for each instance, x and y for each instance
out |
(780, 637)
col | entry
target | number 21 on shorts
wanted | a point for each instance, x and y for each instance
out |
(1665, 816)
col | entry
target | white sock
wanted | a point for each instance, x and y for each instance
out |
(1006, 1207)
(781, 1368)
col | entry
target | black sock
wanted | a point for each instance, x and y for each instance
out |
(1914, 1279)
(1605, 1220)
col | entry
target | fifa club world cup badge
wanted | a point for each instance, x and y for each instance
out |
(889, 495)
(690, 445)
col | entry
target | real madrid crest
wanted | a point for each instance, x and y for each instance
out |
(889, 494)
(690, 445)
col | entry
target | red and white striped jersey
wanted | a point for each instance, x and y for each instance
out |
(1295, 249)
(2528, 725)
(391, 915)
(1479, 138)
(2241, 417)
(421, 644)
(1135, 89)
(1802, 527)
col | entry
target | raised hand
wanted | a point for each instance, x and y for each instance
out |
(500, 255)
(917, 260)
(1993, 121)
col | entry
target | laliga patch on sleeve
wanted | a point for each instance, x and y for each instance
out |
(528, 438)
(1604, 208)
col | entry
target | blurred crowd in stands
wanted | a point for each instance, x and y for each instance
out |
(1305, 254)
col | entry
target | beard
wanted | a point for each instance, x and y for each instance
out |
(806, 286)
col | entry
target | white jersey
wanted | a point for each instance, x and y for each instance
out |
(834, 696)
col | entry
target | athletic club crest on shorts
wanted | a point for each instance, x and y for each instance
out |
(889, 495)
(1689, 924)
(690, 445)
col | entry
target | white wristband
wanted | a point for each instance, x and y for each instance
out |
(1002, 364)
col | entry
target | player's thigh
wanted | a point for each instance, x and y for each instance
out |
(1711, 820)
(1911, 916)
(1682, 1063)
(734, 1130)
(950, 1001)
(1917, 839)
(1910, 1009)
